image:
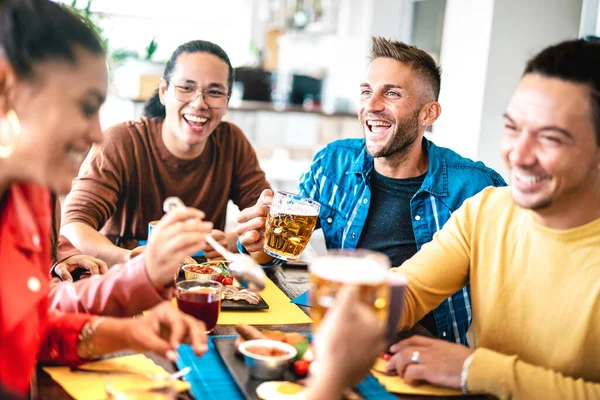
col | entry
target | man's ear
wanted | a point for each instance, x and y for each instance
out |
(8, 83)
(162, 89)
(429, 113)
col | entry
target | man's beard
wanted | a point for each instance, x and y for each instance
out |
(402, 140)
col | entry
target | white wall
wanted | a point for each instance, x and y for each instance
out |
(485, 46)
(516, 37)
(464, 61)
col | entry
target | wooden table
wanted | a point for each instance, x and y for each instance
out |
(292, 282)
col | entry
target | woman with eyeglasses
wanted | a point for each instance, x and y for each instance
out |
(180, 147)
(53, 80)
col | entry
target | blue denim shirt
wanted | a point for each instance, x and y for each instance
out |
(339, 178)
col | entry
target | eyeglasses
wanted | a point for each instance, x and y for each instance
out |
(214, 98)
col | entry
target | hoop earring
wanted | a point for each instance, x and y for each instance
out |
(10, 131)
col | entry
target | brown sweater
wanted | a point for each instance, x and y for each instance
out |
(123, 183)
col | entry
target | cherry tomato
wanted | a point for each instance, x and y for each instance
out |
(301, 367)
(385, 356)
(220, 278)
(227, 280)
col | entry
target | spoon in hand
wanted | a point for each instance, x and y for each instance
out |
(242, 266)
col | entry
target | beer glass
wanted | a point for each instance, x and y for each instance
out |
(368, 270)
(290, 223)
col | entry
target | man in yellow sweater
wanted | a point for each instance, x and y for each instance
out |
(531, 252)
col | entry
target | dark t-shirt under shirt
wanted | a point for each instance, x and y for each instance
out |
(388, 228)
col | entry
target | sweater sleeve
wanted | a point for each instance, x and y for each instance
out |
(60, 344)
(96, 191)
(125, 290)
(439, 269)
(249, 179)
(508, 377)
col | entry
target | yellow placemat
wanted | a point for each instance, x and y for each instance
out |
(280, 311)
(89, 385)
(395, 384)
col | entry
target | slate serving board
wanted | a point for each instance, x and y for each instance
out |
(236, 366)
(230, 305)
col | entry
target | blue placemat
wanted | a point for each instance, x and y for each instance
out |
(211, 380)
(303, 299)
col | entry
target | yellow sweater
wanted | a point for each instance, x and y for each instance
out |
(535, 297)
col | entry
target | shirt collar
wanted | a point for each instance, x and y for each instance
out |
(436, 180)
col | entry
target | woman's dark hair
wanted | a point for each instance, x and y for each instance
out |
(153, 107)
(33, 31)
(575, 61)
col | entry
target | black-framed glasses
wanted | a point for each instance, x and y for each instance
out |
(213, 97)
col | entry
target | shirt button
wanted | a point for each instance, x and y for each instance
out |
(329, 220)
(418, 218)
(444, 334)
(365, 201)
(353, 235)
(35, 239)
(34, 284)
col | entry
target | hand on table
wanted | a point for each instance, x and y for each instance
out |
(177, 235)
(209, 252)
(162, 330)
(440, 362)
(79, 261)
(251, 220)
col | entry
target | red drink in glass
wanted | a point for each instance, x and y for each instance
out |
(201, 300)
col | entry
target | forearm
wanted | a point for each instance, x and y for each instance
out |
(109, 336)
(324, 387)
(124, 291)
(93, 243)
(508, 377)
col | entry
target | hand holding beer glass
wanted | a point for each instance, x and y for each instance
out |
(290, 223)
(368, 271)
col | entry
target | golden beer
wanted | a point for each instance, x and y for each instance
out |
(364, 269)
(289, 225)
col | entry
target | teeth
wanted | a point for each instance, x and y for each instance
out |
(194, 118)
(378, 123)
(529, 179)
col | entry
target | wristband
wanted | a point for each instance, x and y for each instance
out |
(85, 347)
(465, 374)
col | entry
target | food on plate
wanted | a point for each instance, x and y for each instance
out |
(201, 269)
(299, 341)
(236, 294)
(280, 390)
(266, 351)
(225, 280)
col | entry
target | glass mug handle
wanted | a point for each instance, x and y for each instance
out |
(398, 285)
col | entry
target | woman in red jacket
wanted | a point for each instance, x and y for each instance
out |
(53, 79)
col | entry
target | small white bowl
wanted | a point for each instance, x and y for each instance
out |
(191, 275)
(266, 367)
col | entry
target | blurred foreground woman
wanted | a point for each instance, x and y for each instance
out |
(53, 80)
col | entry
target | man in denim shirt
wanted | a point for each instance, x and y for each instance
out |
(392, 190)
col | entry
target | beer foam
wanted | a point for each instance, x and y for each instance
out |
(350, 270)
(296, 209)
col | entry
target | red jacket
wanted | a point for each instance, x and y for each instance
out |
(28, 330)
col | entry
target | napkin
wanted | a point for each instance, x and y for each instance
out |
(89, 385)
(395, 384)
